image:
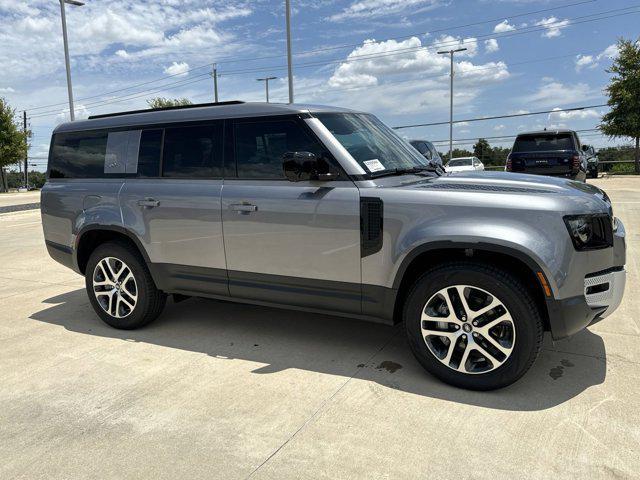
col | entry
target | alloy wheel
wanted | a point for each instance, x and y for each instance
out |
(468, 329)
(115, 287)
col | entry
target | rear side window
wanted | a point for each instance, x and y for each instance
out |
(193, 152)
(78, 155)
(149, 153)
(543, 143)
(260, 145)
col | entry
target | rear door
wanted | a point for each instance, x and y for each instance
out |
(173, 205)
(295, 243)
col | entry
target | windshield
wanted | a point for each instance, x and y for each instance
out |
(371, 143)
(543, 143)
(460, 162)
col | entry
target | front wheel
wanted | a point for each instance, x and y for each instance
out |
(120, 287)
(472, 325)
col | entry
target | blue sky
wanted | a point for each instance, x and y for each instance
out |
(374, 55)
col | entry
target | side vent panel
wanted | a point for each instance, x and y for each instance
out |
(370, 225)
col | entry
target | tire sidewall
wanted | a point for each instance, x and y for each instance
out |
(524, 320)
(136, 317)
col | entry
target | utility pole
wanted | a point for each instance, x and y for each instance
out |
(66, 51)
(266, 84)
(214, 74)
(289, 67)
(26, 150)
(450, 53)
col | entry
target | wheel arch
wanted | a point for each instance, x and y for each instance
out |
(91, 236)
(429, 255)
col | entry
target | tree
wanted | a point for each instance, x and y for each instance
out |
(623, 120)
(13, 141)
(483, 150)
(161, 102)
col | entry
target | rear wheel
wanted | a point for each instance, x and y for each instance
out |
(120, 287)
(472, 325)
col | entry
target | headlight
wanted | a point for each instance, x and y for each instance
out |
(590, 232)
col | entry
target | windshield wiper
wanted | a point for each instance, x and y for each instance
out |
(403, 171)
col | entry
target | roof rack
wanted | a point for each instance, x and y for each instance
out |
(160, 109)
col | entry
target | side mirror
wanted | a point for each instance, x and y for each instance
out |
(303, 166)
(585, 148)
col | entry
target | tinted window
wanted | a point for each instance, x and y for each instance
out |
(193, 152)
(149, 153)
(460, 162)
(78, 155)
(542, 143)
(421, 147)
(260, 145)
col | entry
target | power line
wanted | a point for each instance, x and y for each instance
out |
(516, 31)
(306, 52)
(496, 117)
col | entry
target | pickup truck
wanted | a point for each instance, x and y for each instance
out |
(556, 153)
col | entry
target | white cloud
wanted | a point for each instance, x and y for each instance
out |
(6, 90)
(423, 76)
(558, 116)
(446, 42)
(379, 8)
(503, 26)
(32, 41)
(178, 69)
(491, 45)
(366, 63)
(81, 112)
(552, 93)
(592, 61)
(499, 128)
(553, 26)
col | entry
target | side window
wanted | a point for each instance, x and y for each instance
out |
(149, 153)
(421, 147)
(78, 155)
(260, 145)
(193, 152)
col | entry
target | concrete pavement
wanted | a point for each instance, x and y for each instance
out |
(219, 390)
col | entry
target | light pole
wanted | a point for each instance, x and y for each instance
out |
(289, 67)
(214, 74)
(266, 84)
(66, 51)
(450, 53)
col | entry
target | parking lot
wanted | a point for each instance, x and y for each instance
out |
(219, 390)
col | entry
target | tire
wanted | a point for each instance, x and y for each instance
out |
(134, 286)
(520, 329)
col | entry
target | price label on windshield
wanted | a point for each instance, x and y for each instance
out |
(374, 165)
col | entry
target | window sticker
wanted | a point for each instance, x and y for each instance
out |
(374, 165)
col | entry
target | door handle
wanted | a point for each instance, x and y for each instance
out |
(149, 202)
(243, 207)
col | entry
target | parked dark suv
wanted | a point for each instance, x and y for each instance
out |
(549, 152)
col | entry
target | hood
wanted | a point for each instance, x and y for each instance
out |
(568, 195)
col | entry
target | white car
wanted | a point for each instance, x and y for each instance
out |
(464, 164)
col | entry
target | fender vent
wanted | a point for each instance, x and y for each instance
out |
(370, 225)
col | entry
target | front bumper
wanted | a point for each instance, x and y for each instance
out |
(603, 293)
(605, 289)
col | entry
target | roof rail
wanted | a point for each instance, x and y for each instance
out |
(160, 109)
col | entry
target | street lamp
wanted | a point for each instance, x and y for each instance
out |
(266, 84)
(450, 53)
(66, 51)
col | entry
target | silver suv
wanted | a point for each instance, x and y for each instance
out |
(327, 210)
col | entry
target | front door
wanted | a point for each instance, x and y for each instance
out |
(295, 243)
